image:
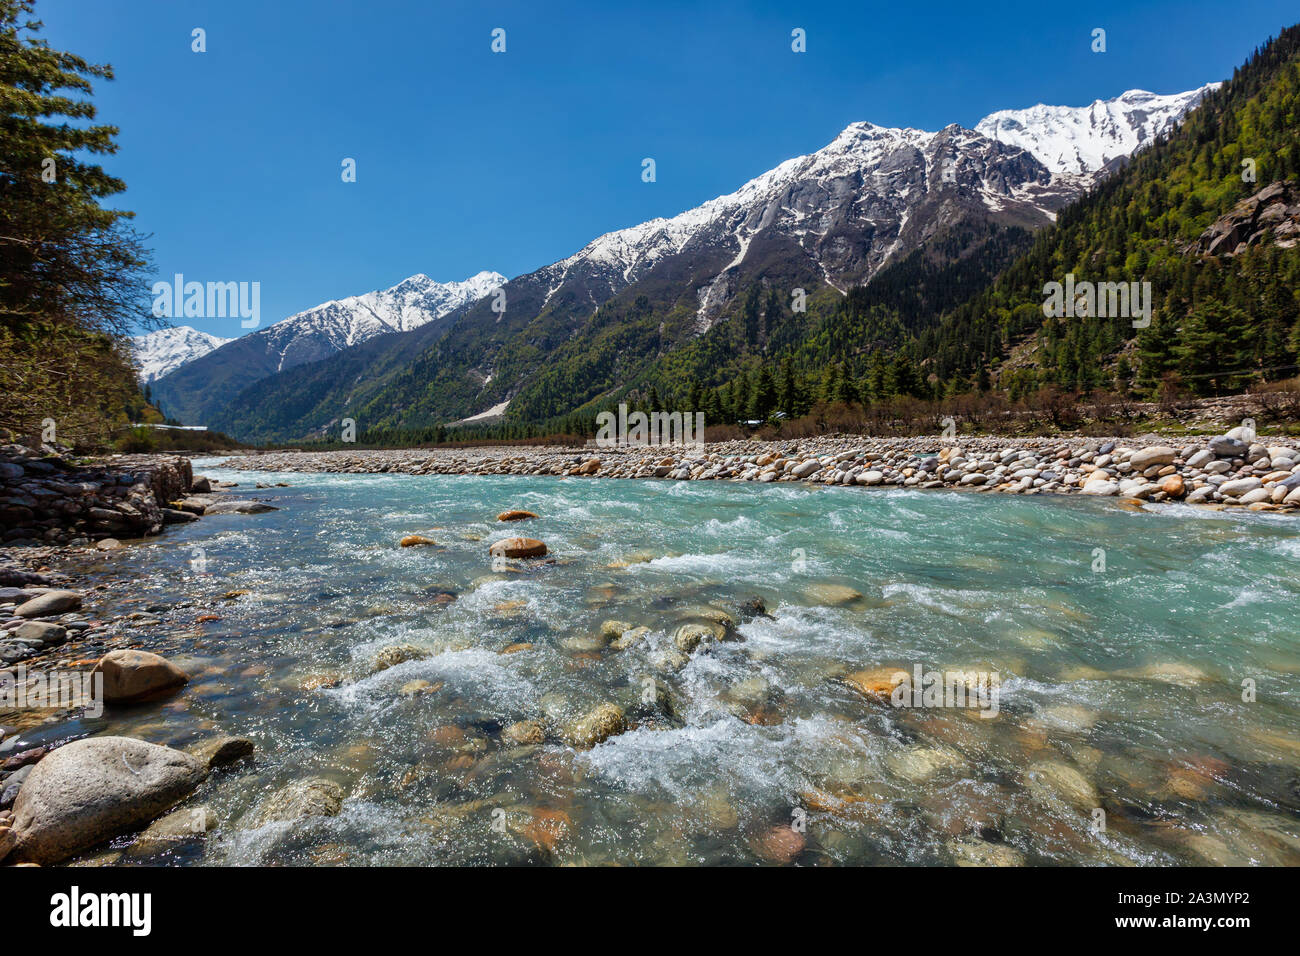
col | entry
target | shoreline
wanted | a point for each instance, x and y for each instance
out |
(1224, 471)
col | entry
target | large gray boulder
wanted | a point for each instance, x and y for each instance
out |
(91, 790)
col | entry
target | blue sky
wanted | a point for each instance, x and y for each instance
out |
(470, 160)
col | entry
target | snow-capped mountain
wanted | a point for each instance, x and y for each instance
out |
(1083, 140)
(192, 390)
(340, 324)
(833, 217)
(164, 350)
(874, 193)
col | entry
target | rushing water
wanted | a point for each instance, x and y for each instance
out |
(1126, 681)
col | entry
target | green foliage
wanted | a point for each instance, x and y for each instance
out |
(71, 271)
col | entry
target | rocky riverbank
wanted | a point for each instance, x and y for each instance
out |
(49, 498)
(69, 650)
(1232, 470)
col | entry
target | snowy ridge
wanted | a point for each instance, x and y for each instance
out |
(1082, 140)
(339, 324)
(159, 352)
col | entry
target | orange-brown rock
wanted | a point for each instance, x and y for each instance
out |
(515, 515)
(412, 540)
(517, 548)
(878, 682)
(1174, 486)
(135, 675)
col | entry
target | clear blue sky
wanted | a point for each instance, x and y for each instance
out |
(470, 160)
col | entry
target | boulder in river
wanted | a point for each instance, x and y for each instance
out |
(222, 751)
(517, 548)
(414, 540)
(831, 595)
(396, 654)
(136, 675)
(310, 797)
(240, 506)
(597, 726)
(515, 515)
(91, 790)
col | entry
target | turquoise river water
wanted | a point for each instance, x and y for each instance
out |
(1126, 731)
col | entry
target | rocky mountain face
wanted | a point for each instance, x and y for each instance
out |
(164, 350)
(193, 390)
(1274, 212)
(830, 219)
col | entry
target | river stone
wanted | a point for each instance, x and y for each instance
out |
(1155, 455)
(1103, 488)
(831, 595)
(91, 790)
(310, 797)
(515, 515)
(975, 852)
(50, 635)
(690, 636)
(1054, 779)
(222, 751)
(240, 506)
(412, 540)
(51, 602)
(179, 826)
(396, 654)
(134, 675)
(1225, 447)
(599, 725)
(524, 732)
(517, 548)
(1240, 486)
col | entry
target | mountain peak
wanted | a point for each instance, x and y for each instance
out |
(162, 350)
(1081, 140)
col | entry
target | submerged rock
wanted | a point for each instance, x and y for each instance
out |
(396, 654)
(595, 727)
(523, 732)
(1051, 779)
(412, 540)
(515, 515)
(222, 751)
(831, 595)
(175, 829)
(974, 852)
(310, 797)
(688, 637)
